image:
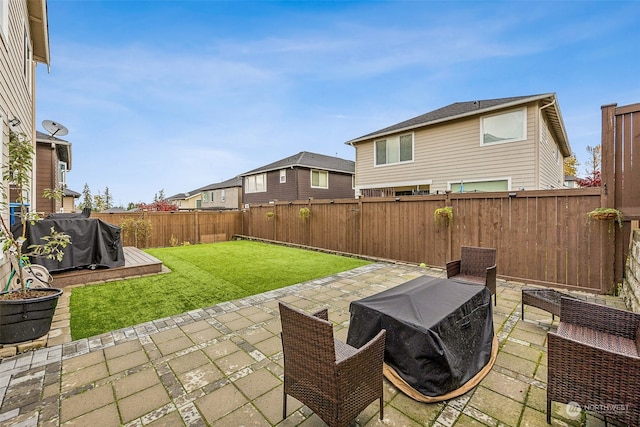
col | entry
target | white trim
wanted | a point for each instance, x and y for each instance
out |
(506, 141)
(395, 184)
(283, 176)
(506, 178)
(4, 22)
(395, 137)
(248, 178)
(311, 171)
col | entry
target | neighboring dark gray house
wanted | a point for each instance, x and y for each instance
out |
(300, 177)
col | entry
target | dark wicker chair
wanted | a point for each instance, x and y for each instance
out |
(593, 360)
(335, 380)
(476, 265)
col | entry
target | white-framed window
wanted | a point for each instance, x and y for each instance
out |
(283, 176)
(28, 56)
(222, 195)
(62, 174)
(353, 182)
(205, 196)
(4, 21)
(319, 179)
(395, 149)
(255, 183)
(510, 126)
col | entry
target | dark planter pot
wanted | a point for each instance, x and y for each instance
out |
(28, 319)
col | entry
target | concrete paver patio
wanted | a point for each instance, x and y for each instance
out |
(222, 366)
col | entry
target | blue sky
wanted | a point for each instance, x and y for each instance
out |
(176, 95)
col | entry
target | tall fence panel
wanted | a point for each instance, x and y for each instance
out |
(621, 174)
(541, 237)
(177, 228)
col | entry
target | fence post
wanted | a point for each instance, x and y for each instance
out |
(608, 194)
(360, 232)
(449, 230)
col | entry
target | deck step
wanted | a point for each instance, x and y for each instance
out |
(136, 263)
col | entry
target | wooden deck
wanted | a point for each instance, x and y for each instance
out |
(136, 263)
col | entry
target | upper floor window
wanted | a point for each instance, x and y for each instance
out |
(222, 195)
(395, 149)
(205, 197)
(62, 174)
(255, 183)
(504, 127)
(28, 55)
(4, 20)
(319, 179)
(283, 176)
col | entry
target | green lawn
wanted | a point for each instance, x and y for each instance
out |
(202, 276)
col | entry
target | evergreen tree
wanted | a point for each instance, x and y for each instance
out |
(98, 202)
(108, 198)
(87, 199)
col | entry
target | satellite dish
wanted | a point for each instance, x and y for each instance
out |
(54, 128)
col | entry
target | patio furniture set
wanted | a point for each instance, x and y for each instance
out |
(418, 336)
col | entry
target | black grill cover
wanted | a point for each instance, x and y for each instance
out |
(94, 243)
(439, 331)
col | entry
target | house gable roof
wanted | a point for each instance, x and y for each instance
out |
(473, 108)
(39, 29)
(305, 159)
(63, 147)
(70, 193)
(233, 182)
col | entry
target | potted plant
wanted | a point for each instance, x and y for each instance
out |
(606, 214)
(443, 215)
(26, 313)
(304, 213)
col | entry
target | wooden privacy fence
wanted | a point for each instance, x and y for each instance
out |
(177, 228)
(541, 237)
(621, 172)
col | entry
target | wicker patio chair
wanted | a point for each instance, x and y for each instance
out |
(593, 360)
(476, 265)
(335, 380)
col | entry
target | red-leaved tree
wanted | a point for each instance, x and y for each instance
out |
(591, 181)
(158, 206)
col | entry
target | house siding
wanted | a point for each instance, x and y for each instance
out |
(16, 91)
(232, 198)
(451, 151)
(298, 187)
(340, 186)
(551, 161)
(46, 178)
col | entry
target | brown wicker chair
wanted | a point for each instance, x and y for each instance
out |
(593, 360)
(476, 265)
(335, 380)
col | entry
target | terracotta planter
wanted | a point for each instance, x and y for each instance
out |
(604, 216)
(27, 319)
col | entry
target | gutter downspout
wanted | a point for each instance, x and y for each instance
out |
(558, 148)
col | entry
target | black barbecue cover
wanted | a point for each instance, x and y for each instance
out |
(439, 331)
(94, 243)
